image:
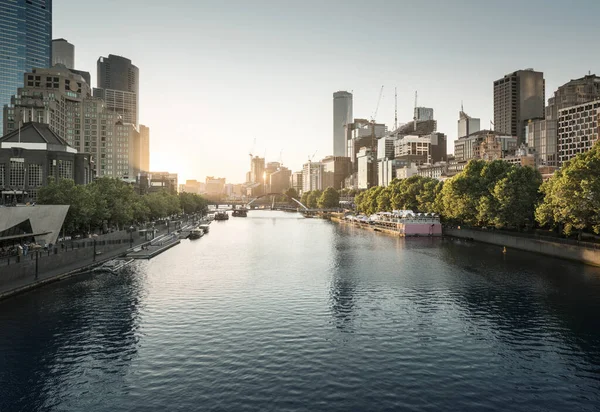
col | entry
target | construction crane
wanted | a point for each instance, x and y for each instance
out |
(395, 108)
(310, 158)
(252, 148)
(377, 107)
(415, 113)
(281, 158)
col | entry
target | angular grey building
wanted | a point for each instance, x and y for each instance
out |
(25, 43)
(118, 85)
(518, 97)
(342, 115)
(63, 53)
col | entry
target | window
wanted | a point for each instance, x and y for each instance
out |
(34, 175)
(17, 173)
(65, 169)
(2, 172)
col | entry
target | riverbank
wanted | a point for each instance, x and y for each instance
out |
(583, 252)
(386, 228)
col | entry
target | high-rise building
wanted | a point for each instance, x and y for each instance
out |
(423, 114)
(518, 97)
(118, 85)
(215, 185)
(342, 115)
(60, 98)
(467, 125)
(577, 129)
(144, 148)
(25, 43)
(335, 170)
(367, 168)
(257, 170)
(296, 182)
(63, 53)
(312, 176)
(430, 148)
(279, 181)
(542, 133)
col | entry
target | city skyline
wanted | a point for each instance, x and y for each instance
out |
(251, 63)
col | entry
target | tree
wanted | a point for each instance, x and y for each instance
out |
(291, 192)
(329, 199)
(66, 192)
(313, 199)
(304, 198)
(571, 197)
(516, 196)
(384, 200)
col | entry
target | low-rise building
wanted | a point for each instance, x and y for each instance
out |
(156, 182)
(406, 171)
(471, 146)
(32, 155)
(214, 185)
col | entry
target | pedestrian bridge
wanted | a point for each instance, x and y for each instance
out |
(276, 194)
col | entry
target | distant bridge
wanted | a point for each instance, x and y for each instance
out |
(249, 203)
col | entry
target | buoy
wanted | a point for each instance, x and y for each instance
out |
(504, 250)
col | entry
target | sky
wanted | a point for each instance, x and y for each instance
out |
(215, 75)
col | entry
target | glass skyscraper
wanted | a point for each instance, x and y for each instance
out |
(25, 43)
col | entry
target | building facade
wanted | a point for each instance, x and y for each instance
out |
(467, 125)
(518, 97)
(423, 114)
(215, 185)
(257, 170)
(429, 148)
(62, 99)
(118, 85)
(25, 43)
(63, 53)
(335, 170)
(312, 176)
(144, 148)
(342, 115)
(279, 181)
(469, 147)
(296, 182)
(367, 168)
(33, 155)
(577, 129)
(387, 171)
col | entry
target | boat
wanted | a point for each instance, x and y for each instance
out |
(204, 228)
(196, 233)
(240, 212)
(113, 266)
(221, 216)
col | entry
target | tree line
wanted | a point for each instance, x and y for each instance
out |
(109, 202)
(501, 195)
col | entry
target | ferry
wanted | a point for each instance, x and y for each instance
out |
(113, 266)
(221, 216)
(409, 223)
(240, 213)
(196, 233)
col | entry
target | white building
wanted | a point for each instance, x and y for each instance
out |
(577, 129)
(63, 53)
(312, 176)
(406, 171)
(366, 168)
(467, 125)
(342, 115)
(385, 147)
(387, 171)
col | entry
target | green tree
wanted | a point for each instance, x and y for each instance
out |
(304, 198)
(515, 197)
(571, 197)
(329, 199)
(313, 199)
(66, 192)
(291, 192)
(384, 200)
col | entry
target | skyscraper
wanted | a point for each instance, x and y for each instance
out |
(144, 148)
(518, 97)
(342, 114)
(25, 43)
(467, 124)
(63, 53)
(118, 85)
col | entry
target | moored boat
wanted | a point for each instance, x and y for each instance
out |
(221, 216)
(240, 212)
(204, 228)
(196, 233)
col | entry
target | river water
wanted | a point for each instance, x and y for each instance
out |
(275, 312)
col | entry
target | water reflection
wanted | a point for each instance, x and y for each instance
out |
(61, 326)
(343, 281)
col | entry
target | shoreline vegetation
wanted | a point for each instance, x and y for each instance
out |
(503, 196)
(111, 203)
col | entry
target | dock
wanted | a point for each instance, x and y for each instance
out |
(154, 247)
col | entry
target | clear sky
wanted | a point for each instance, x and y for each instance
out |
(215, 75)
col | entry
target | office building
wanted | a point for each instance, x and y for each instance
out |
(296, 182)
(367, 168)
(279, 180)
(63, 53)
(257, 170)
(157, 182)
(542, 133)
(25, 43)
(518, 97)
(32, 155)
(192, 186)
(386, 171)
(470, 147)
(429, 148)
(577, 129)
(467, 125)
(342, 115)
(385, 147)
(312, 176)
(362, 133)
(215, 186)
(118, 86)
(423, 114)
(335, 170)
(62, 99)
(144, 148)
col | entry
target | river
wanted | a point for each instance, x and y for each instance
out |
(277, 312)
